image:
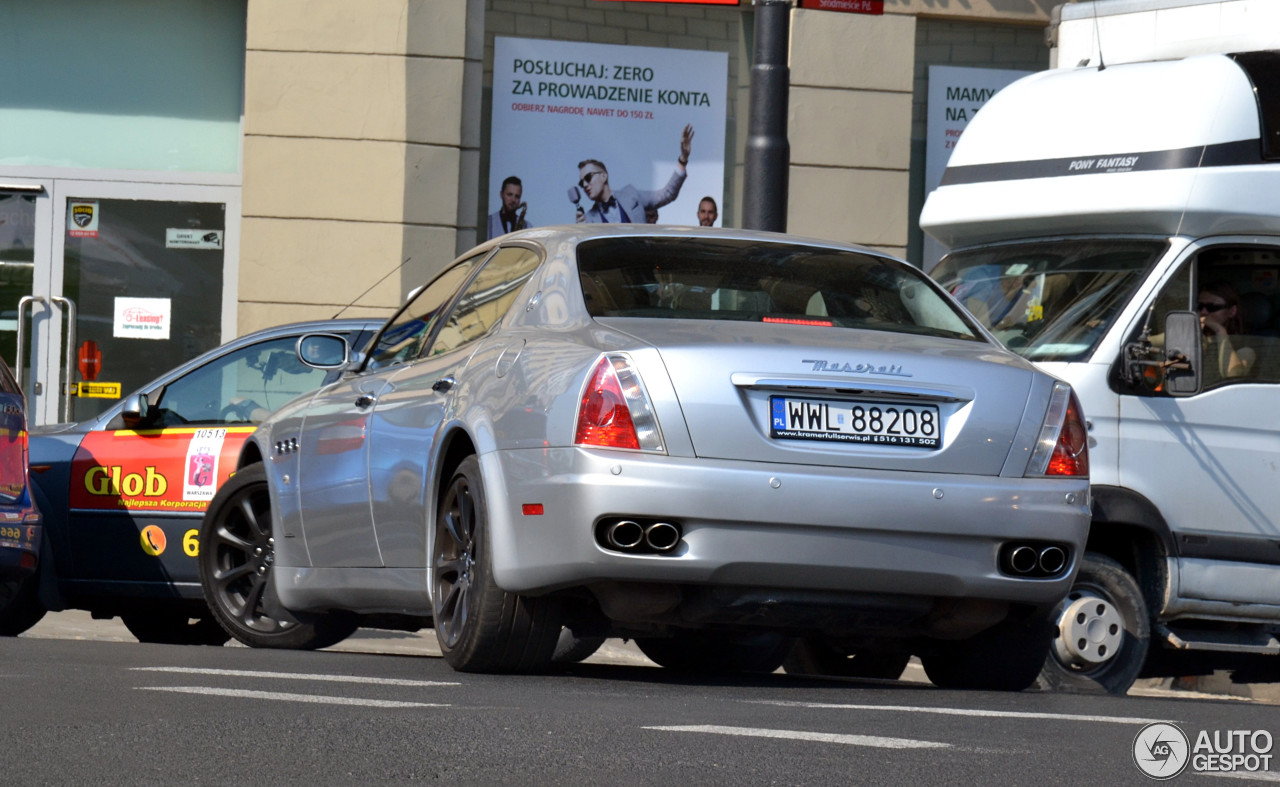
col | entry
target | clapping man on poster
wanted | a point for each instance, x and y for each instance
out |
(628, 204)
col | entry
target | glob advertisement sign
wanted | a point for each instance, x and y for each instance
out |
(162, 471)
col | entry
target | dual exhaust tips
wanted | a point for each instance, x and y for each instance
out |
(648, 537)
(1033, 560)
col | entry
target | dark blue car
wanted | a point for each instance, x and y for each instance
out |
(19, 518)
(122, 494)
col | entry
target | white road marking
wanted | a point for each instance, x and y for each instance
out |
(1254, 776)
(1000, 714)
(819, 737)
(234, 673)
(284, 697)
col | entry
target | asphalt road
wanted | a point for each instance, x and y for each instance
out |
(92, 710)
(75, 624)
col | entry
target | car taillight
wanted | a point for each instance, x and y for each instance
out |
(1063, 447)
(615, 411)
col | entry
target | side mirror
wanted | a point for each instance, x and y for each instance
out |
(134, 413)
(1182, 353)
(135, 407)
(323, 351)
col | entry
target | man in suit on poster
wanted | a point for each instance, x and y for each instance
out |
(629, 204)
(511, 216)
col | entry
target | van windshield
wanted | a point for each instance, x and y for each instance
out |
(1049, 301)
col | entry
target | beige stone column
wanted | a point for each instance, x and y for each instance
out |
(361, 152)
(849, 127)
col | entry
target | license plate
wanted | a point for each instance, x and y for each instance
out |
(854, 421)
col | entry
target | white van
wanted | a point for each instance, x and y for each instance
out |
(1120, 226)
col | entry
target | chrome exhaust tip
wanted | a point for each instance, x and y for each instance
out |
(624, 534)
(1052, 560)
(1023, 560)
(662, 536)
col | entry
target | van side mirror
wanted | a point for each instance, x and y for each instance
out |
(1182, 353)
(323, 351)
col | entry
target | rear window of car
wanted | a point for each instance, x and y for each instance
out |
(726, 279)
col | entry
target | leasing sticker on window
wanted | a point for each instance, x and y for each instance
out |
(141, 318)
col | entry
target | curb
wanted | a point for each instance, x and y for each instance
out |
(1216, 685)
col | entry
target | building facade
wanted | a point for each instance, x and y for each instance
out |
(182, 173)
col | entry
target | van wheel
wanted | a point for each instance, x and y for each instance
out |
(236, 554)
(480, 627)
(1006, 657)
(1103, 632)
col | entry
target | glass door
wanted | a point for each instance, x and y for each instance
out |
(26, 220)
(113, 284)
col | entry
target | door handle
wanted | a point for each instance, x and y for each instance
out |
(443, 384)
(69, 306)
(18, 361)
(365, 400)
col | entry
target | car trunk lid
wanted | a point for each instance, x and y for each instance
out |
(841, 397)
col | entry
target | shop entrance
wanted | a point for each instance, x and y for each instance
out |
(105, 285)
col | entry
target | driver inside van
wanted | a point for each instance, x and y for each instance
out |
(1219, 308)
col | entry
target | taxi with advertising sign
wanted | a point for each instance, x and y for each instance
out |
(123, 493)
(19, 518)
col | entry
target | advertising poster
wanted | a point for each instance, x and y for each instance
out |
(626, 110)
(955, 96)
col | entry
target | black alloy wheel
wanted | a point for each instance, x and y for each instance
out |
(455, 562)
(480, 627)
(1005, 657)
(237, 552)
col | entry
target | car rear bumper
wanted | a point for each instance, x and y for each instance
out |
(753, 524)
(20, 553)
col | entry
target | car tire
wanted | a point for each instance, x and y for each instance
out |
(815, 656)
(1006, 657)
(717, 653)
(571, 649)
(20, 606)
(480, 627)
(236, 554)
(1103, 632)
(174, 627)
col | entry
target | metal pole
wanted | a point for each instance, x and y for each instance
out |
(768, 152)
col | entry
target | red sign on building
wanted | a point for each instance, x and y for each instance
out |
(848, 6)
